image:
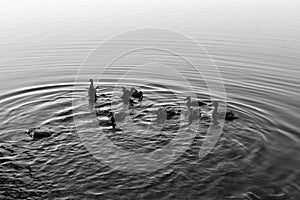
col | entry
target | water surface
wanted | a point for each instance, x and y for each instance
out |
(256, 157)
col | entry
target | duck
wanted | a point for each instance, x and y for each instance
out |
(190, 103)
(230, 116)
(38, 133)
(136, 94)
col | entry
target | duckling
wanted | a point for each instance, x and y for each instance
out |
(136, 94)
(190, 103)
(38, 133)
(230, 116)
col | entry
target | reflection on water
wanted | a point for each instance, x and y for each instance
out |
(256, 157)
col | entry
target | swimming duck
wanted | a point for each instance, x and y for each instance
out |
(230, 116)
(38, 133)
(190, 103)
(136, 94)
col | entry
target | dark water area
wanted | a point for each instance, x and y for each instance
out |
(256, 157)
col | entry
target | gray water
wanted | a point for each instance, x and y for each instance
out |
(256, 48)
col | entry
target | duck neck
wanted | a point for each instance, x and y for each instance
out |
(92, 85)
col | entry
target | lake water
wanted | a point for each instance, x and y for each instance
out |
(255, 47)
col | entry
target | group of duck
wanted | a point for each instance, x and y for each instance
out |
(129, 97)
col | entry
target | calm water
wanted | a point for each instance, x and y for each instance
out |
(256, 157)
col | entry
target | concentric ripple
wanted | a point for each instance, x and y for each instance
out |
(256, 157)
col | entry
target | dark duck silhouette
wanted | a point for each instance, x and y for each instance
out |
(230, 116)
(92, 92)
(190, 103)
(136, 94)
(38, 133)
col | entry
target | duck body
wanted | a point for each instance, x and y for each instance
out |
(136, 94)
(38, 133)
(190, 103)
(230, 116)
